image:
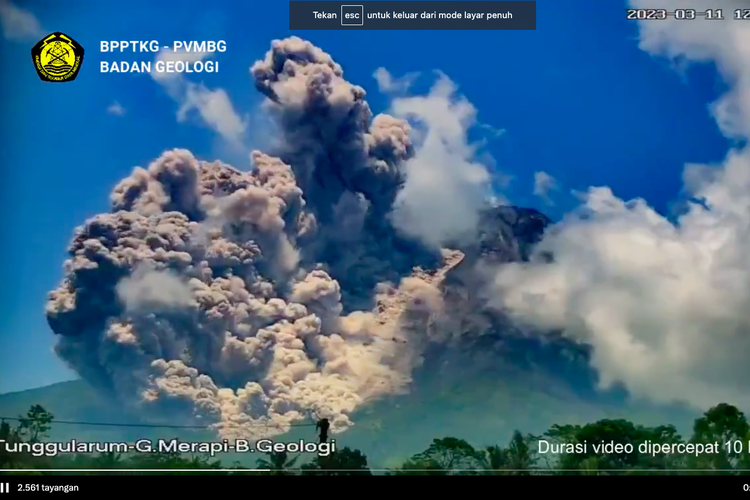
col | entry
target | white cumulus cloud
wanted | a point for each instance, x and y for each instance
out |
(447, 182)
(388, 84)
(213, 106)
(663, 303)
(544, 184)
(19, 25)
(116, 109)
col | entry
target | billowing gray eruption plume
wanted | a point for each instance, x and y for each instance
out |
(245, 300)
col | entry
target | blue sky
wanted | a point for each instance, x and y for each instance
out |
(577, 99)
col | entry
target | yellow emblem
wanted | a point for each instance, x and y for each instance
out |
(57, 58)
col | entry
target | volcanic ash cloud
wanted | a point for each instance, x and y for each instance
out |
(225, 297)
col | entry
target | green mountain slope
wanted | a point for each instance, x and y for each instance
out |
(387, 431)
(76, 401)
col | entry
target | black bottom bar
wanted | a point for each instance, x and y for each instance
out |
(204, 484)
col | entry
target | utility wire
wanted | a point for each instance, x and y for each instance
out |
(152, 426)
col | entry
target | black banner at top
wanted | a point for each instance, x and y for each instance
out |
(412, 15)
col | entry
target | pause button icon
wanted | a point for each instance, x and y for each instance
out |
(4, 487)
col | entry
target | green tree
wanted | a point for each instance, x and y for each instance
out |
(9, 435)
(720, 425)
(565, 435)
(37, 423)
(204, 461)
(109, 460)
(663, 434)
(156, 460)
(517, 459)
(520, 456)
(279, 463)
(418, 468)
(344, 462)
(494, 459)
(450, 454)
(620, 432)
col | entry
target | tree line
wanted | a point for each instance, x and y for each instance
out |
(724, 430)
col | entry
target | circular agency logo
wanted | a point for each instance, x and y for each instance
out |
(57, 58)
